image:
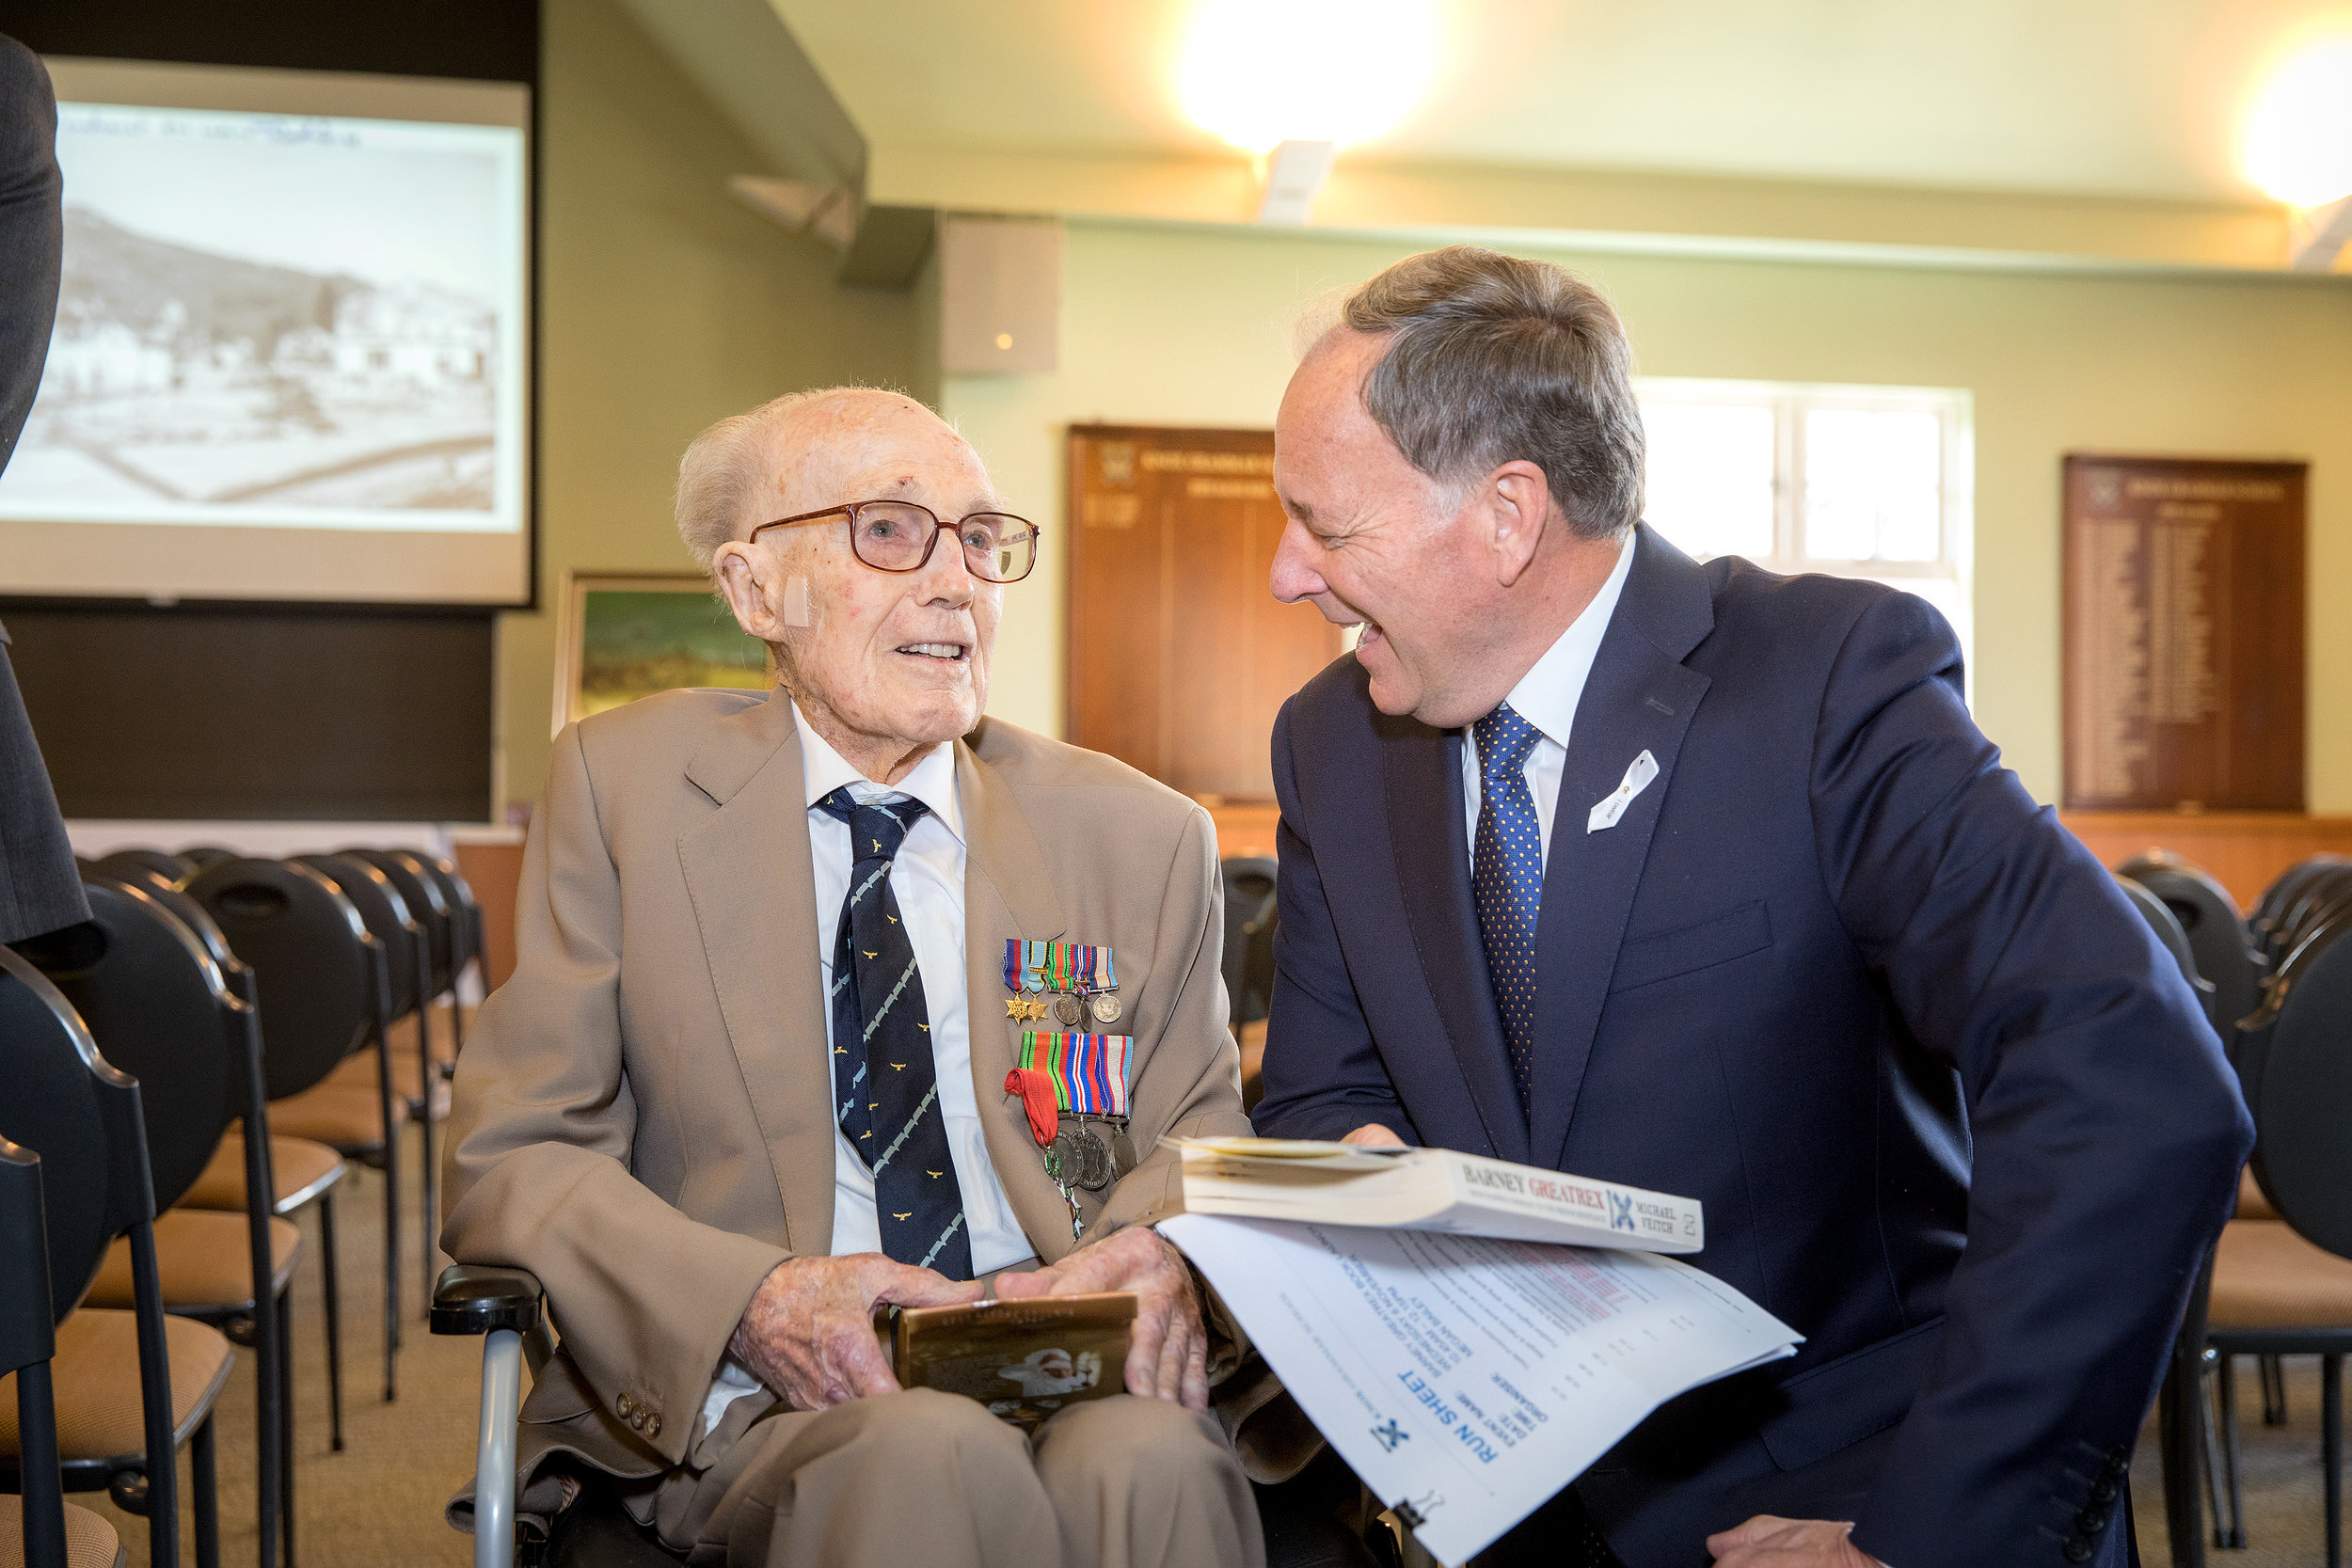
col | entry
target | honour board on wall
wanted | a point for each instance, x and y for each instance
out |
(2183, 634)
(1179, 655)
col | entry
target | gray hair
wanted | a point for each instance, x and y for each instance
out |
(721, 472)
(1493, 358)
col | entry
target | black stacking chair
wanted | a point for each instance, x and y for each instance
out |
(407, 960)
(1249, 958)
(160, 1009)
(303, 1173)
(51, 1533)
(67, 1104)
(443, 902)
(321, 980)
(2216, 933)
(2291, 1290)
(175, 869)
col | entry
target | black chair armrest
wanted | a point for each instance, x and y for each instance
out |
(475, 1298)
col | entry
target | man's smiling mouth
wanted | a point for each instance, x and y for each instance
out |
(947, 653)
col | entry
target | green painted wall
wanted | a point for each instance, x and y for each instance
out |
(666, 305)
(1176, 326)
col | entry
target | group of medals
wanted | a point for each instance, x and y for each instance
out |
(1073, 1082)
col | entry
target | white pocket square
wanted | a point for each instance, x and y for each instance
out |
(1612, 806)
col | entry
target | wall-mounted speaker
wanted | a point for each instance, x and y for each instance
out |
(999, 295)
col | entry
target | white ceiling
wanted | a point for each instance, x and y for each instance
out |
(2114, 96)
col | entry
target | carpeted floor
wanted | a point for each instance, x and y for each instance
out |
(379, 1501)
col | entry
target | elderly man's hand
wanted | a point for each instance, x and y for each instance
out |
(1766, 1542)
(808, 1333)
(1168, 1358)
(1373, 1135)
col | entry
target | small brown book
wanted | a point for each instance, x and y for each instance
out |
(1023, 1359)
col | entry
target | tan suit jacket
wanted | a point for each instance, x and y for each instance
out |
(644, 1112)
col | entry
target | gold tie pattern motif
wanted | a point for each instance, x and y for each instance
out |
(1507, 878)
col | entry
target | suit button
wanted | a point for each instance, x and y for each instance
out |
(2077, 1549)
(623, 1405)
(2105, 1492)
(653, 1425)
(637, 1420)
(2090, 1521)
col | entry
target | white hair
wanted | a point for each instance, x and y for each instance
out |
(723, 470)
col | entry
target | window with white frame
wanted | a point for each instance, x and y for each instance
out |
(1866, 481)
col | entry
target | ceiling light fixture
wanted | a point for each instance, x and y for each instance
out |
(2299, 139)
(1258, 72)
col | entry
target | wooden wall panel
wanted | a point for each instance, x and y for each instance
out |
(2244, 851)
(1179, 655)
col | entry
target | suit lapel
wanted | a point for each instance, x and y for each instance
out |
(752, 886)
(1430, 837)
(1006, 894)
(1639, 697)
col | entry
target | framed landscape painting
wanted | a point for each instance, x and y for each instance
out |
(622, 637)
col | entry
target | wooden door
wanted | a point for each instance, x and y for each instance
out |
(1179, 655)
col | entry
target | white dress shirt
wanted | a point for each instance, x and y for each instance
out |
(926, 876)
(1547, 697)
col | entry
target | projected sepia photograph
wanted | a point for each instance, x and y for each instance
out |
(279, 319)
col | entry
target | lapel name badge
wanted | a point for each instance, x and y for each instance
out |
(1609, 807)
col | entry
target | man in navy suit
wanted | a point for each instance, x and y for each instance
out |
(1701, 878)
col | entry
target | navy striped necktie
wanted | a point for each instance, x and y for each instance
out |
(885, 1088)
(1507, 878)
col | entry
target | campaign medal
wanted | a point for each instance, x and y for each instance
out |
(1070, 982)
(1088, 1075)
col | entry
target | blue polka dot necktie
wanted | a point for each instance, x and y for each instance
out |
(1507, 878)
(886, 1089)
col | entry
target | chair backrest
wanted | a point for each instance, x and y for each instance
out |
(173, 868)
(202, 855)
(2216, 933)
(2280, 894)
(161, 1010)
(412, 874)
(2302, 1101)
(2324, 903)
(66, 1103)
(389, 919)
(1249, 899)
(465, 906)
(2172, 938)
(314, 964)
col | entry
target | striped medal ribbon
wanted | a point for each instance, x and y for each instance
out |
(1076, 967)
(1090, 1071)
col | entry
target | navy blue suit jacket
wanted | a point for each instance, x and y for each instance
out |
(1953, 1114)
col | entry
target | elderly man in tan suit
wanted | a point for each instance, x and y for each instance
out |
(735, 906)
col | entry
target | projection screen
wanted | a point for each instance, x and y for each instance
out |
(291, 356)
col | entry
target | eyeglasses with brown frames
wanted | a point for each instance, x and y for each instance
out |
(899, 536)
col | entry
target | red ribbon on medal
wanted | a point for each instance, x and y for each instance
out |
(1035, 1090)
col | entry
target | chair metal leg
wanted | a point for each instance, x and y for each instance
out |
(2208, 1445)
(2180, 1453)
(331, 1293)
(2274, 1380)
(2332, 1452)
(204, 1480)
(427, 1081)
(282, 1308)
(2234, 1534)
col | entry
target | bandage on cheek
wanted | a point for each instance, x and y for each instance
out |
(796, 602)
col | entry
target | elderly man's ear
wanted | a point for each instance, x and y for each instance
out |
(1512, 506)
(768, 598)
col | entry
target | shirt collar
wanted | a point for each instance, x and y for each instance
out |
(1546, 695)
(932, 781)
